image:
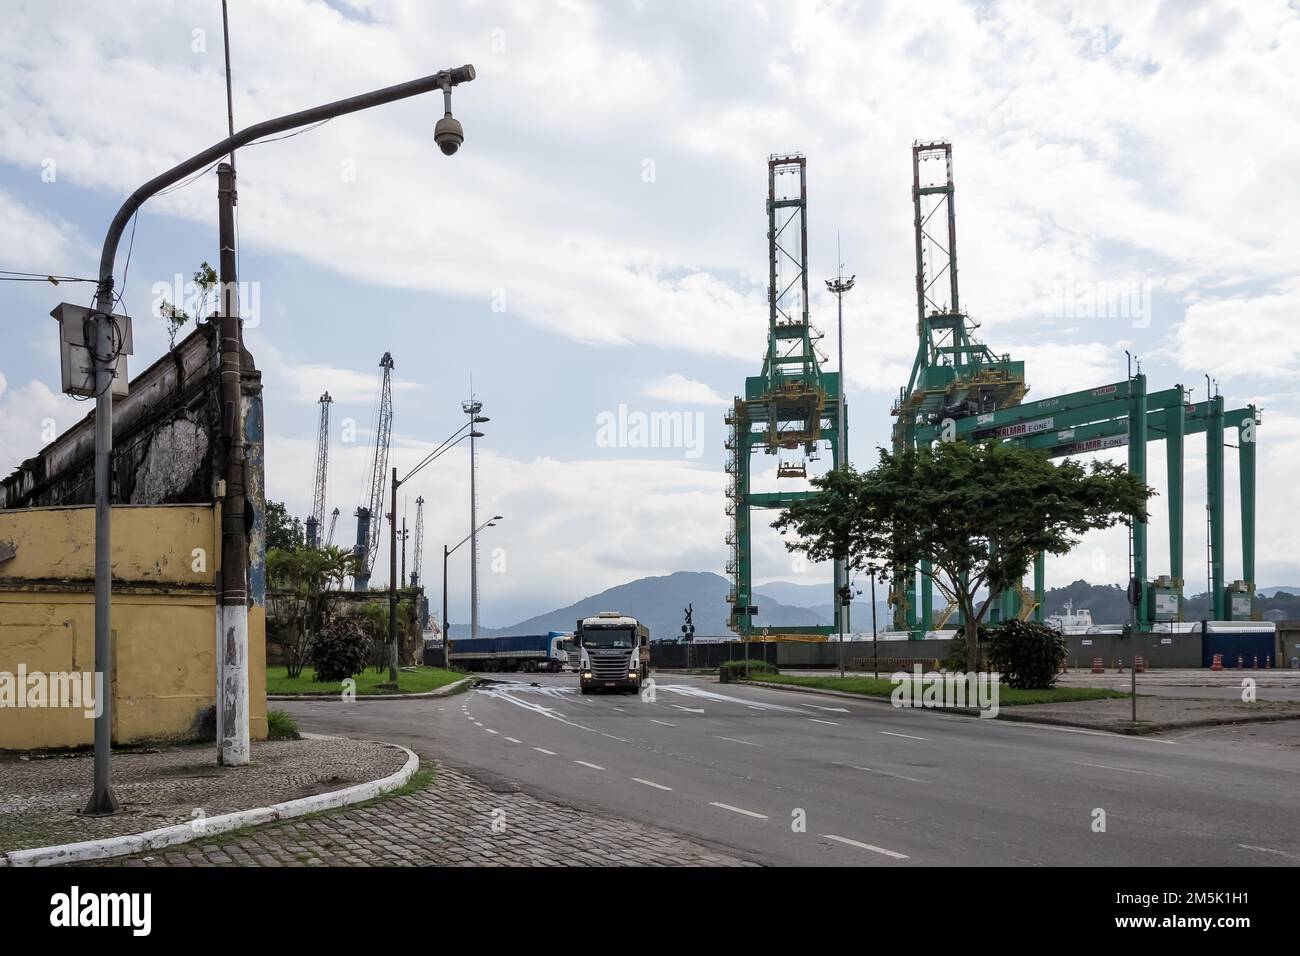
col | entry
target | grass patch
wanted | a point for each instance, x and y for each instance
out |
(415, 680)
(281, 726)
(883, 687)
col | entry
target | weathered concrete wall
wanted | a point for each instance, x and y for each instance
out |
(165, 562)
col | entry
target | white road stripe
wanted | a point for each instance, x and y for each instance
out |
(833, 710)
(593, 766)
(747, 743)
(478, 723)
(818, 720)
(514, 740)
(1102, 766)
(885, 773)
(543, 750)
(908, 736)
(664, 722)
(1264, 849)
(693, 710)
(489, 730)
(748, 813)
(651, 783)
(864, 846)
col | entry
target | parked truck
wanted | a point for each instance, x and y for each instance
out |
(523, 652)
(614, 652)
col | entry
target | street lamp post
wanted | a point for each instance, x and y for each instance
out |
(106, 343)
(447, 444)
(838, 286)
(447, 553)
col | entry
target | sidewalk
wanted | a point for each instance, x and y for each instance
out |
(41, 795)
(455, 821)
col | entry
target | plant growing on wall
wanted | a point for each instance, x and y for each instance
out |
(308, 581)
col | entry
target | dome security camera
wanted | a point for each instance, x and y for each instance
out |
(448, 134)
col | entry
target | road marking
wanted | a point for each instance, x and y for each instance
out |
(885, 773)
(514, 740)
(693, 710)
(1264, 849)
(833, 710)
(478, 723)
(864, 846)
(747, 743)
(748, 813)
(755, 707)
(664, 722)
(651, 783)
(888, 733)
(593, 766)
(818, 720)
(1102, 766)
(620, 710)
(489, 730)
(549, 753)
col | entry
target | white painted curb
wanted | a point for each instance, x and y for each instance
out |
(442, 691)
(187, 832)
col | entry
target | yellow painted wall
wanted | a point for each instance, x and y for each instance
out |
(164, 618)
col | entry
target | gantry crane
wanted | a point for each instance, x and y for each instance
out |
(372, 505)
(334, 520)
(322, 471)
(416, 561)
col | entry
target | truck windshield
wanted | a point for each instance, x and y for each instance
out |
(607, 637)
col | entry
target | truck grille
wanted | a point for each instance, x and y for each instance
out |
(609, 668)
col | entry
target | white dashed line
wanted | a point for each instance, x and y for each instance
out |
(664, 722)
(833, 710)
(593, 766)
(543, 750)
(651, 783)
(747, 743)
(1102, 766)
(818, 720)
(884, 773)
(1264, 849)
(748, 813)
(478, 723)
(908, 736)
(864, 846)
(693, 710)
(489, 730)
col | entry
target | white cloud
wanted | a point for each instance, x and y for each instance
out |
(682, 390)
(1245, 337)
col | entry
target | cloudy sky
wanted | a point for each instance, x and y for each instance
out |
(599, 242)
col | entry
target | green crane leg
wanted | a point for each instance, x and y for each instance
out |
(1137, 466)
(1246, 467)
(1040, 587)
(1214, 503)
(927, 598)
(1174, 424)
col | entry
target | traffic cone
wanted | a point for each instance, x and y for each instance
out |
(1217, 663)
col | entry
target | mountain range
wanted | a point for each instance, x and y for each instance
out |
(659, 603)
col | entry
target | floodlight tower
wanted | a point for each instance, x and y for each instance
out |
(322, 469)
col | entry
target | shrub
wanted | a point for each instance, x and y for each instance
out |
(339, 651)
(1029, 655)
(737, 668)
(281, 726)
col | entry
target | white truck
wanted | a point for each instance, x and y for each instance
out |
(614, 652)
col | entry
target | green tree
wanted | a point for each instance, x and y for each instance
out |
(305, 582)
(283, 531)
(978, 512)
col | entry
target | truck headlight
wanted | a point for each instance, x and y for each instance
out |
(632, 674)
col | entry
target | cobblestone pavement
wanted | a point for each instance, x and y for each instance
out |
(1165, 712)
(40, 796)
(456, 821)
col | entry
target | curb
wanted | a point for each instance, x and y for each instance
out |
(176, 834)
(443, 691)
(1009, 714)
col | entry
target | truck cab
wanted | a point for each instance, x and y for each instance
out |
(614, 652)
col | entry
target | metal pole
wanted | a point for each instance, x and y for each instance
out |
(392, 584)
(875, 647)
(473, 534)
(446, 628)
(232, 605)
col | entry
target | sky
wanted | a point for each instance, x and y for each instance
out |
(597, 249)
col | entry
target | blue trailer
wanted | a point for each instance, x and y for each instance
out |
(521, 652)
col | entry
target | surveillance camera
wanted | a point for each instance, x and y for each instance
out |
(448, 134)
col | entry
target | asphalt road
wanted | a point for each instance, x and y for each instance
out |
(794, 778)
